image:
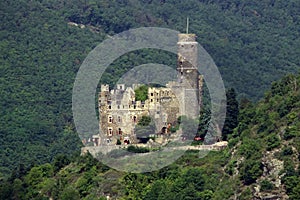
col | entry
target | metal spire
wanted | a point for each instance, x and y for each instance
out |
(187, 25)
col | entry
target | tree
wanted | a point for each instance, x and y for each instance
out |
(250, 171)
(232, 112)
(60, 161)
(144, 121)
(141, 93)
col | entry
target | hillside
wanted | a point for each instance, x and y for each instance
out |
(261, 162)
(252, 42)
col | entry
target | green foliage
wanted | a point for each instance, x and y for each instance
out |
(144, 121)
(35, 178)
(69, 193)
(291, 183)
(250, 148)
(287, 151)
(230, 168)
(266, 185)
(246, 194)
(141, 93)
(204, 121)
(60, 161)
(135, 149)
(291, 132)
(250, 171)
(118, 142)
(273, 141)
(232, 112)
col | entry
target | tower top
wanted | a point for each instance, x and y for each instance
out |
(183, 37)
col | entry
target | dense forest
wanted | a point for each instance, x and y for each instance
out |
(253, 44)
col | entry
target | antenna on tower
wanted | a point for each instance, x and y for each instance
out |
(187, 25)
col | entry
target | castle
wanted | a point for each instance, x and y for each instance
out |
(120, 112)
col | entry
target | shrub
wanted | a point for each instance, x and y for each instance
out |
(286, 151)
(273, 141)
(266, 185)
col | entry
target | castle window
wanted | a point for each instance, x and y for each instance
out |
(118, 106)
(134, 107)
(151, 94)
(109, 131)
(109, 107)
(134, 119)
(119, 119)
(157, 100)
(120, 131)
(110, 119)
(151, 100)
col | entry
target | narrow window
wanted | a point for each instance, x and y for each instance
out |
(110, 132)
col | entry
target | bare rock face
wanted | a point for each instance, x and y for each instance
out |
(271, 172)
(272, 165)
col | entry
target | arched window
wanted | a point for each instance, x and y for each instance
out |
(110, 119)
(110, 131)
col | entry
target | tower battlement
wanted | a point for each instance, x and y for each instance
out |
(186, 37)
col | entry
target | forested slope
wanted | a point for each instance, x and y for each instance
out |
(252, 42)
(261, 162)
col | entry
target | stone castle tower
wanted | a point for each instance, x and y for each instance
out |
(188, 75)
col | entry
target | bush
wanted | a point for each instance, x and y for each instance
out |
(250, 171)
(135, 149)
(290, 132)
(118, 142)
(141, 93)
(286, 151)
(266, 185)
(273, 141)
